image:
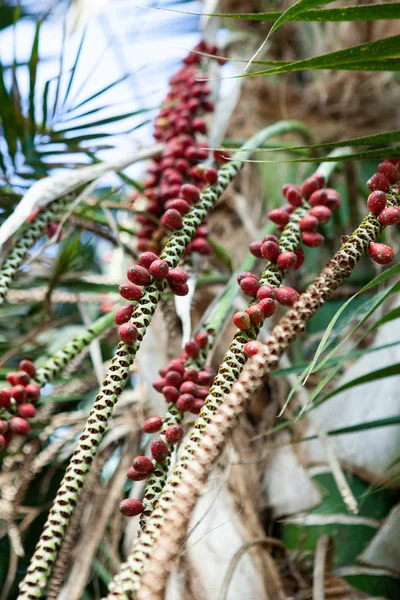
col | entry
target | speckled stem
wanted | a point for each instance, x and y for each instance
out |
(17, 255)
(144, 575)
(56, 525)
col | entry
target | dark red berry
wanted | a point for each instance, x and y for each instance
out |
(389, 215)
(249, 286)
(205, 378)
(185, 402)
(146, 258)
(159, 385)
(143, 464)
(131, 507)
(123, 314)
(320, 178)
(170, 393)
(12, 377)
(5, 399)
(133, 475)
(381, 254)
(270, 250)
(190, 193)
(255, 249)
(32, 392)
(26, 410)
(19, 426)
(130, 291)
(287, 296)
(321, 213)
(28, 367)
(178, 204)
(3, 442)
(242, 320)
(191, 374)
(279, 216)
(18, 392)
(180, 290)
(332, 198)
(378, 182)
(211, 176)
(270, 238)
(389, 171)
(300, 258)
(318, 198)
(252, 348)
(312, 239)
(159, 450)
(188, 387)
(3, 427)
(310, 185)
(286, 260)
(177, 276)
(265, 291)
(202, 339)
(308, 223)
(377, 202)
(174, 433)
(201, 246)
(243, 275)
(293, 195)
(197, 406)
(139, 275)
(202, 393)
(176, 365)
(173, 378)
(172, 219)
(192, 349)
(152, 424)
(128, 333)
(256, 314)
(159, 269)
(268, 306)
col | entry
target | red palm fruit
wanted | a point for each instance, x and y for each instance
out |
(249, 286)
(252, 348)
(205, 378)
(131, 507)
(159, 269)
(255, 249)
(190, 193)
(312, 239)
(172, 219)
(181, 289)
(191, 374)
(293, 195)
(286, 260)
(177, 276)
(318, 198)
(143, 464)
(201, 246)
(288, 208)
(300, 258)
(265, 291)
(243, 275)
(378, 182)
(242, 320)
(159, 385)
(197, 406)
(26, 410)
(123, 314)
(268, 306)
(256, 314)
(199, 125)
(128, 332)
(381, 254)
(333, 198)
(3, 443)
(285, 188)
(202, 231)
(5, 399)
(130, 291)
(12, 377)
(22, 378)
(182, 165)
(211, 176)
(28, 367)
(202, 393)
(146, 258)
(176, 365)
(270, 237)
(18, 392)
(320, 178)
(3, 426)
(311, 185)
(202, 339)
(173, 378)
(389, 171)
(32, 392)
(133, 475)
(279, 216)
(192, 349)
(185, 402)
(188, 387)
(308, 223)
(270, 250)
(389, 215)
(178, 204)
(170, 393)
(159, 450)
(19, 426)
(321, 213)
(287, 296)
(377, 202)
(174, 433)
(139, 275)
(152, 424)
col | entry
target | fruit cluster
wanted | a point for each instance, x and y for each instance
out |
(388, 173)
(186, 384)
(319, 202)
(148, 268)
(176, 177)
(17, 403)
